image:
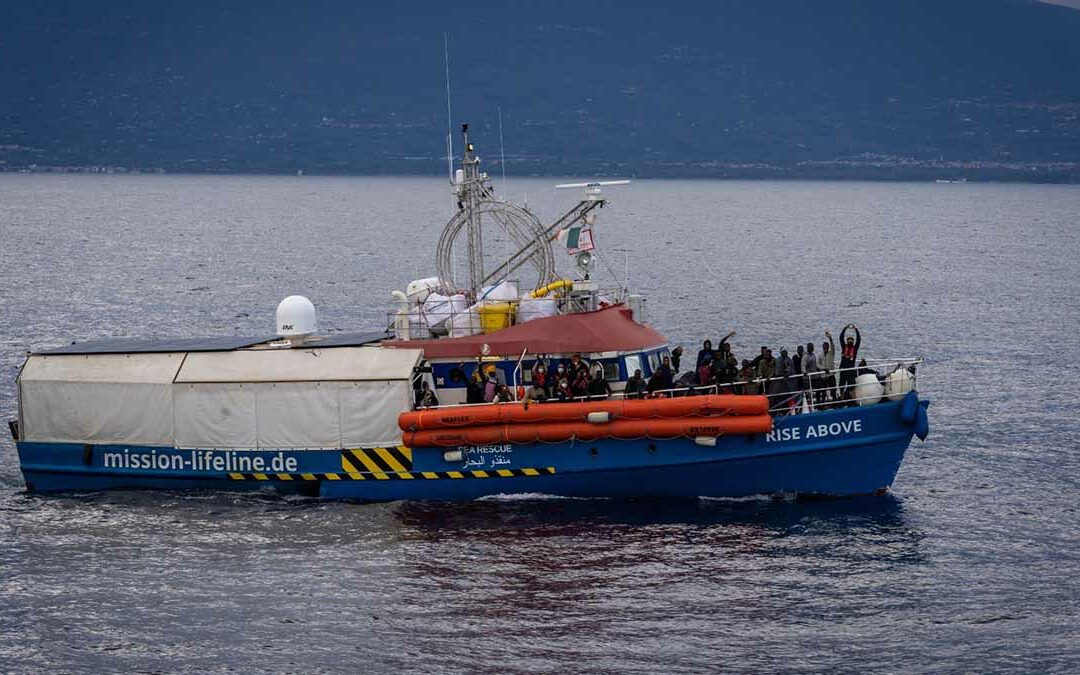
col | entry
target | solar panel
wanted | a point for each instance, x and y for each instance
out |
(158, 345)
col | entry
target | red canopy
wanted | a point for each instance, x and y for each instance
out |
(611, 329)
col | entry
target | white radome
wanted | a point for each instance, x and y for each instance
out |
(296, 317)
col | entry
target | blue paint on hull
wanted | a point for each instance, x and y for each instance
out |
(839, 452)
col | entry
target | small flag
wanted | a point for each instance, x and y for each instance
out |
(578, 239)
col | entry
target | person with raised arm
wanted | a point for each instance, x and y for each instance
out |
(827, 366)
(849, 351)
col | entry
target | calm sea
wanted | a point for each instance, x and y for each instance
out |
(972, 563)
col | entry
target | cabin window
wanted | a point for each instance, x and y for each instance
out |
(654, 361)
(632, 363)
(611, 370)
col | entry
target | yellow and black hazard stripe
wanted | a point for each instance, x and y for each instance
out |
(377, 460)
(398, 475)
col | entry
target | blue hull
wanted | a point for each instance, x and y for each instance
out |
(836, 453)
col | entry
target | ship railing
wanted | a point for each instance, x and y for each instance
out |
(796, 394)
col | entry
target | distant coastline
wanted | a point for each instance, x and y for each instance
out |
(836, 170)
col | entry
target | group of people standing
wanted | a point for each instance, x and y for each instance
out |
(780, 377)
(567, 381)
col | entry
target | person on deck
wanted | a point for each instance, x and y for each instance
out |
(676, 359)
(759, 358)
(540, 377)
(809, 380)
(635, 386)
(746, 376)
(667, 375)
(782, 386)
(579, 386)
(766, 364)
(578, 365)
(491, 386)
(728, 365)
(562, 387)
(705, 354)
(474, 389)
(426, 398)
(827, 366)
(598, 386)
(504, 395)
(797, 361)
(663, 379)
(536, 394)
(704, 364)
(849, 351)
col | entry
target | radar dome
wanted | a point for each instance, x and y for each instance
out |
(296, 317)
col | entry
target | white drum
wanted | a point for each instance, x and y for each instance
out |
(868, 389)
(898, 384)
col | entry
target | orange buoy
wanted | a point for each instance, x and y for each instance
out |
(554, 432)
(517, 413)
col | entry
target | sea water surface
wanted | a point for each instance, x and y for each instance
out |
(972, 563)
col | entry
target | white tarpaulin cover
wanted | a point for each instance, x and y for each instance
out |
(322, 398)
(99, 398)
(299, 365)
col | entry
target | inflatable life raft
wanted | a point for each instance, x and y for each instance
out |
(556, 422)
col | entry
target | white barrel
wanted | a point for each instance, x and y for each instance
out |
(868, 389)
(898, 384)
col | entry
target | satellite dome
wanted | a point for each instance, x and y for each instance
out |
(296, 317)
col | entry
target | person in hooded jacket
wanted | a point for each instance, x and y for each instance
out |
(704, 361)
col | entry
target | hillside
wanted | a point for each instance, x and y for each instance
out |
(987, 89)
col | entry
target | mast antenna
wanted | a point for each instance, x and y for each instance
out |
(449, 119)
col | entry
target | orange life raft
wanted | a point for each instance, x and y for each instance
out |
(619, 409)
(554, 432)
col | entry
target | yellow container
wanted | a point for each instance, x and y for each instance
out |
(495, 316)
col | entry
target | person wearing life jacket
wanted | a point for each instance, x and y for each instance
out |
(540, 377)
(562, 386)
(491, 385)
(849, 351)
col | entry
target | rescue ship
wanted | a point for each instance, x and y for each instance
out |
(335, 416)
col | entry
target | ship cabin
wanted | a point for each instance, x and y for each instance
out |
(609, 337)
